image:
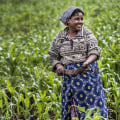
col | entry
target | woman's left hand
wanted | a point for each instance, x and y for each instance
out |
(86, 68)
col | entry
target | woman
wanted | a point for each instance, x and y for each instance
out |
(74, 54)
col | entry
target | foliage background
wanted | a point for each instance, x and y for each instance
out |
(28, 88)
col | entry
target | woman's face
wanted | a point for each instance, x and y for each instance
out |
(75, 22)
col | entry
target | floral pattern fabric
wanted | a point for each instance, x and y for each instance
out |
(84, 91)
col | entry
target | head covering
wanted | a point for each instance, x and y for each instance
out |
(67, 13)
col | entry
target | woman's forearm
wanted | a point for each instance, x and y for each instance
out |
(91, 59)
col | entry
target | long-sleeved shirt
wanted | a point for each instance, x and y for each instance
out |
(75, 50)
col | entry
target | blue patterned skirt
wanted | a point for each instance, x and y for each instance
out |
(84, 91)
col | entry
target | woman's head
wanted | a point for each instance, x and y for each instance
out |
(69, 13)
(75, 21)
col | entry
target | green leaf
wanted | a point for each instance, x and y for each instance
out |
(82, 109)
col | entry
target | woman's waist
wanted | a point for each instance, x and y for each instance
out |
(73, 65)
(72, 62)
(76, 65)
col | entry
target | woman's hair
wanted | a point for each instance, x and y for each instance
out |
(76, 11)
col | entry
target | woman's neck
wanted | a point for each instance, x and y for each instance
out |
(71, 33)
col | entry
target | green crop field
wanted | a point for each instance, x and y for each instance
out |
(29, 90)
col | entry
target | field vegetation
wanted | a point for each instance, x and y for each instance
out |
(29, 90)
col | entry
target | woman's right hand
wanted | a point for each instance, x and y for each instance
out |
(60, 70)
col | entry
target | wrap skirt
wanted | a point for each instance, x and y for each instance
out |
(83, 91)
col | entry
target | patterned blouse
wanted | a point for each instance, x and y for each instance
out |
(67, 51)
